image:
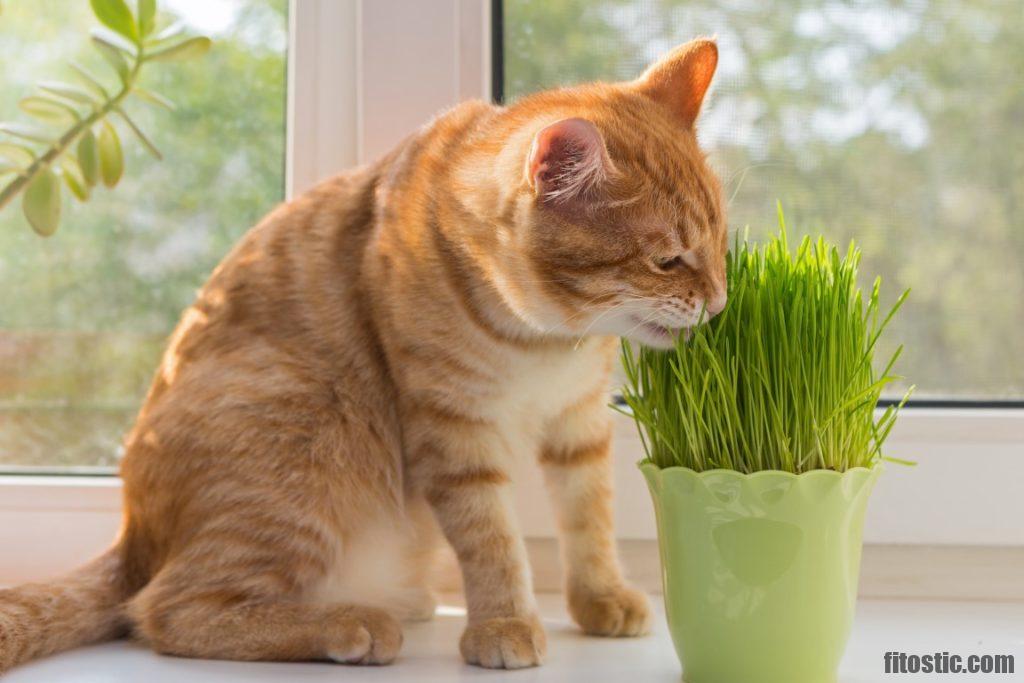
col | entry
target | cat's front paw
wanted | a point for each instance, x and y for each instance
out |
(621, 611)
(504, 643)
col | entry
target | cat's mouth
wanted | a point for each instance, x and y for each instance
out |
(662, 331)
(658, 335)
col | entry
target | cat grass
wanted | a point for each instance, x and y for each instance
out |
(783, 379)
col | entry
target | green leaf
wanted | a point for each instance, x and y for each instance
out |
(113, 57)
(19, 154)
(41, 202)
(47, 110)
(154, 98)
(111, 156)
(26, 132)
(67, 91)
(187, 49)
(147, 17)
(115, 15)
(8, 166)
(74, 180)
(140, 135)
(114, 40)
(92, 81)
(900, 461)
(89, 158)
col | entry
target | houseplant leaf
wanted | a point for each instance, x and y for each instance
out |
(113, 57)
(154, 98)
(114, 40)
(41, 202)
(18, 154)
(140, 135)
(47, 110)
(26, 132)
(147, 17)
(187, 49)
(68, 91)
(115, 15)
(79, 154)
(89, 157)
(91, 81)
(73, 179)
(111, 156)
(8, 166)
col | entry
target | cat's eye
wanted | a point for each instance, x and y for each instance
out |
(669, 264)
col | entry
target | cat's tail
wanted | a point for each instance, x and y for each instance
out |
(82, 607)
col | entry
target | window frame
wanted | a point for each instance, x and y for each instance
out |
(336, 106)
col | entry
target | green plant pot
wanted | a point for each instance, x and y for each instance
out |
(759, 570)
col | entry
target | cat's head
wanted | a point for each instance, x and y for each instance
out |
(621, 217)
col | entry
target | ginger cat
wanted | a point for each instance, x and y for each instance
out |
(355, 377)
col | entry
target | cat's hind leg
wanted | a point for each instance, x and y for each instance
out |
(223, 617)
(250, 549)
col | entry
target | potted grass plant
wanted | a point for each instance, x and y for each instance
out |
(763, 443)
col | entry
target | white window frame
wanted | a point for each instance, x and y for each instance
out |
(362, 75)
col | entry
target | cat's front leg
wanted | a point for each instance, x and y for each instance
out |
(468, 490)
(576, 460)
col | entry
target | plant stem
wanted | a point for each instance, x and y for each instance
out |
(61, 145)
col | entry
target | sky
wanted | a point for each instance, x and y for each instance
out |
(210, 17)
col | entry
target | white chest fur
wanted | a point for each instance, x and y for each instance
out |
(540, 385)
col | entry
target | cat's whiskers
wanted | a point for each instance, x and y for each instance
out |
(742, 173)
(600, 315)
(585, 308)
(621, 304)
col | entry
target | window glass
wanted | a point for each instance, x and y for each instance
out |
(84, 314)
(898, 124)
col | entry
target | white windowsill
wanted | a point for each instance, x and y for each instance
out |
(430, 650)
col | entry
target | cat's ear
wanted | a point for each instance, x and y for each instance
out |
(568, 160)
(681, 78)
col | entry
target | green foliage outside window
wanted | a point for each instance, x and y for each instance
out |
(84, 314)
(897, 124)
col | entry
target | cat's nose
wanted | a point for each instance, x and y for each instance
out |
(716, 304)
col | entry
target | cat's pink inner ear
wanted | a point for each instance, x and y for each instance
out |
(681, 79)
(568, 160)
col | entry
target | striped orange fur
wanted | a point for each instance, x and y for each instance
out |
(353, 381)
